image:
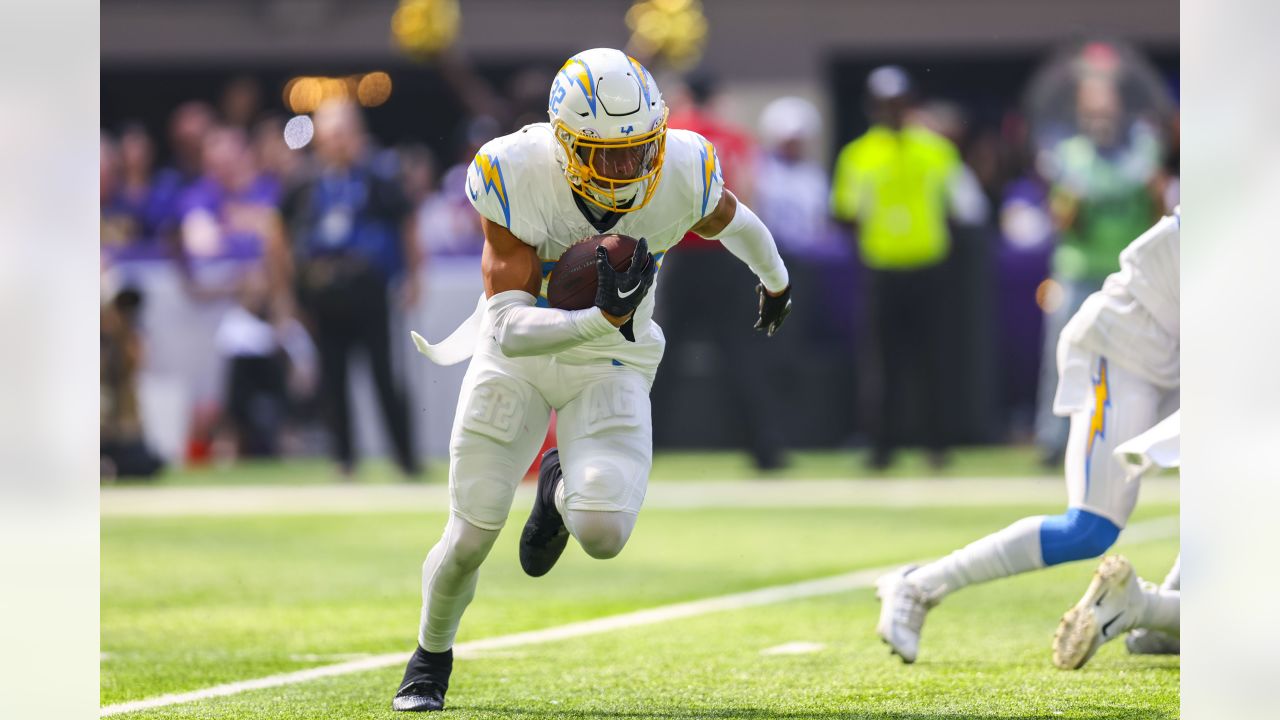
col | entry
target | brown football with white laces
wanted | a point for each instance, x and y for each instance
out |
(573, 280)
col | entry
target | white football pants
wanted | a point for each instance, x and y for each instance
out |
(605, 436)
(1109, 405)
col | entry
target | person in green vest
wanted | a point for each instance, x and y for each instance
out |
(893, 187)
(1101, 197)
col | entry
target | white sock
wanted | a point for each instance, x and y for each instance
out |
(449, 578)
(1013, 550)
(1160, 610)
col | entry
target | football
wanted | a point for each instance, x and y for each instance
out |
(572, 283)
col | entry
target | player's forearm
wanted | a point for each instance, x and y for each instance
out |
(523, 329)
(751, 242)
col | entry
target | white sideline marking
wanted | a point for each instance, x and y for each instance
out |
(334, 657)
(794, 648)
(1140, 532)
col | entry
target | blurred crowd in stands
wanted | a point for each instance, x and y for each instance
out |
(931, 265)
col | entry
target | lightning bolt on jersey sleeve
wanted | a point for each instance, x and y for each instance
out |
(487, 186)
(710, 178)
(745, 236)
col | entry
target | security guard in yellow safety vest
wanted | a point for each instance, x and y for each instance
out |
(892, 186)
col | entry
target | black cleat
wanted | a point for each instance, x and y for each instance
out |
(426, 679)
(545, 534)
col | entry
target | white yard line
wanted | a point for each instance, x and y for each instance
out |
(354, 498)
(332, 657)
(1140, 532)
(799, 647)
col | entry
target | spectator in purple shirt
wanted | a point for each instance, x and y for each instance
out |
(188, 125)
(119, 224)
(131, 207)
(137, 161)
(229, 213)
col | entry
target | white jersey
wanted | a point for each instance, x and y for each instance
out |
(517, 182)
(1133, 319)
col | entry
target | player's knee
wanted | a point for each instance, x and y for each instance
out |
(465, 546)
(603, 544)
(1076, 535)
(468, 553)
(601, 534)
(601, 481)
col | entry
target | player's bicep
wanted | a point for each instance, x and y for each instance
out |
(719, 218)
(508, 263)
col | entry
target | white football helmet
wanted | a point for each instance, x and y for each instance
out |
(611, 124)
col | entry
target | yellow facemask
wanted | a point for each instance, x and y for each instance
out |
(610, 174)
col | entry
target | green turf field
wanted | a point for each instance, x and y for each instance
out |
(191, 602)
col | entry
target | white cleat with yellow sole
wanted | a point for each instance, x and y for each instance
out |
(1109, 608)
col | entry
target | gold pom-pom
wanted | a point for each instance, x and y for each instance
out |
(672, 31)
(423, 28)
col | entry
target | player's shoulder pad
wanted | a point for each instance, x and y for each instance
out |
(696, 162)
(496, 172)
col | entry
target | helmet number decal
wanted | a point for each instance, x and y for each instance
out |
(557, 96)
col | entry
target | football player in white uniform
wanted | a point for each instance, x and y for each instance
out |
(1118, 373)
(605, 162)
(1117, 600)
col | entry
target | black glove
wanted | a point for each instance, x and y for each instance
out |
(773, 310)
(620, 293)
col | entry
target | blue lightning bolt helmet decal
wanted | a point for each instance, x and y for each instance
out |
(577, 73)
